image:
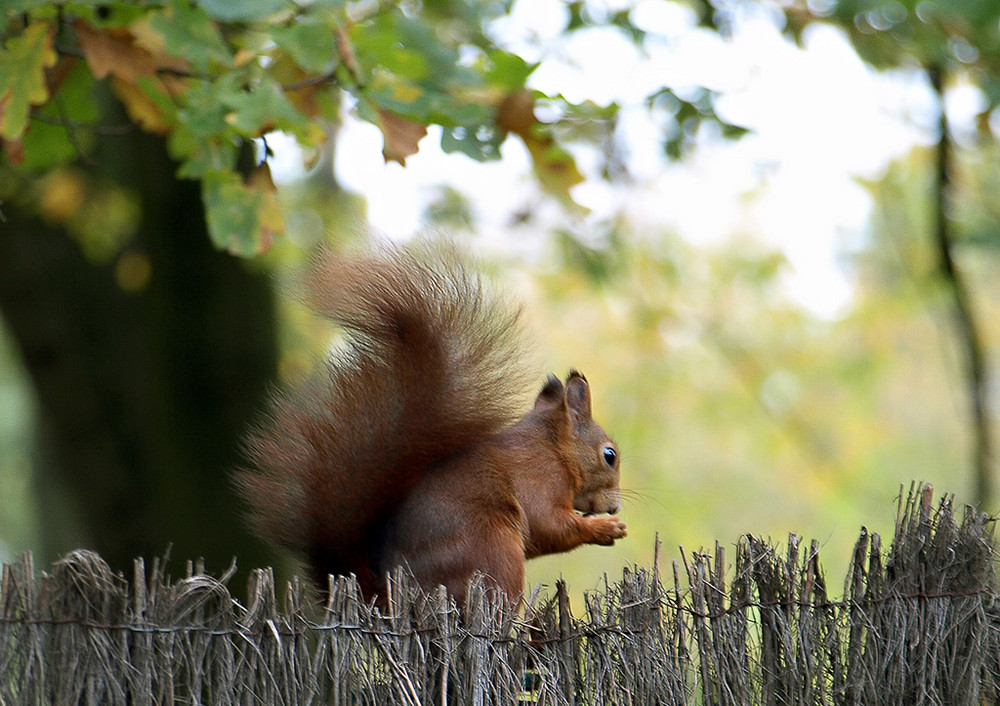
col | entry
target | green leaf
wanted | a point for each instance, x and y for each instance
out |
(427, 103)
(200, 156)
(405, 47)
(13, 7)
(116, 14)
(22, 81)
(575, 20)
(507, 71)
(203, 140)
(205, 112)
(47, 144)
(11, 12)
(232, 212)
(409, 70)
(481, 143)
(242, 10)
(261, 110)
(733, 132)
(190, 33)
(311, 43)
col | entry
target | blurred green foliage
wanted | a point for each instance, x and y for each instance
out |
(737, 409)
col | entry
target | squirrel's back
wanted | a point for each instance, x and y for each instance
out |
(432, 364)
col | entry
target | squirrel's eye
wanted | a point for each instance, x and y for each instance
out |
(610, 456)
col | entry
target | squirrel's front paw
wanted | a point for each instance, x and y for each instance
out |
(607, 529)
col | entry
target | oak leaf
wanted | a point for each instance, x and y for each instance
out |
(113, 52)
(129, 54)
(554, 166)
(117, 53)
(141, 109)
(243, 217)
(22, 81)
(402, 136)
(516, 113)
(346, 50)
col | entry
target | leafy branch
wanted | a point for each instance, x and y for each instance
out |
(213, 75)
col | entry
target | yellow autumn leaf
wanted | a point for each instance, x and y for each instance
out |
(141, 109)
(271, 220)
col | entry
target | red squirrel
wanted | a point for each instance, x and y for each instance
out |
(406, 449)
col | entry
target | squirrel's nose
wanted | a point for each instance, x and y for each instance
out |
(609, 506)
(598, 504)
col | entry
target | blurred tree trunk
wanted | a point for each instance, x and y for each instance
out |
(142, 395)
(969, 339)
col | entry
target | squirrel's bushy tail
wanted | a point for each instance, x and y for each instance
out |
(432, 364)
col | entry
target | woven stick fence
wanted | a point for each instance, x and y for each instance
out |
(919, 623)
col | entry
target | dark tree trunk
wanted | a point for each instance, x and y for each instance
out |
(143, 395)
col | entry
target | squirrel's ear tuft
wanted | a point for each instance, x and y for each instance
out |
(551, 393)
(578, 395)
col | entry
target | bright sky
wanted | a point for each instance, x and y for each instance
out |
(820, 119)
